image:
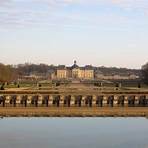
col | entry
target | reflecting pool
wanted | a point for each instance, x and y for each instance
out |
(74, 133)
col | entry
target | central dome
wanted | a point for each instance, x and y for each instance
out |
(74, 65)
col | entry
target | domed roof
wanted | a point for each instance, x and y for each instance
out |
(74, 65)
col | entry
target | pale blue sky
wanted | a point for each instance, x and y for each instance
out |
(97, 32)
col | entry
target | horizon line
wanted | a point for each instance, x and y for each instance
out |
(81, 65)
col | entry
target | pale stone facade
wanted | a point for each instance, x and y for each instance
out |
(75, 72)
(61, 73)
(116, 77)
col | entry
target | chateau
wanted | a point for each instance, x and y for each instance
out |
(75, 72)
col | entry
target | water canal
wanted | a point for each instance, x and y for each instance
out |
(74, 133)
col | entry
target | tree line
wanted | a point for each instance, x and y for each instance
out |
(144, 71)
(7, 73)
(27, 69)
(10, 73)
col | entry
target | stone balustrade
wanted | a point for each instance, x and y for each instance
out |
(54, 100)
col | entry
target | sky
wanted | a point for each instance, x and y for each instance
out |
(97, 32)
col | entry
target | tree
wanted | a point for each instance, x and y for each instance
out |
(28, 69)
(145, 73)
(7, 73)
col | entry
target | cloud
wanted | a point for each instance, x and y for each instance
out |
(131, 4)
(3, 3)
(135, 6)
(126, 5)
(22, 13)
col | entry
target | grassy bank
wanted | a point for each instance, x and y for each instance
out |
(74, 112)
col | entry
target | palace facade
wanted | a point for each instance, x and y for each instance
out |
(75, 72)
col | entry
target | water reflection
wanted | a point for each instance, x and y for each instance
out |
(74, 133)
